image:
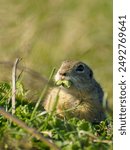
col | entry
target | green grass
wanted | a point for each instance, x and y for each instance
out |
(67, 134)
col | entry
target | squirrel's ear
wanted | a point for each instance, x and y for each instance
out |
(91, 74)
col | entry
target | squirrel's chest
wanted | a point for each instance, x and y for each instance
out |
(63, 99)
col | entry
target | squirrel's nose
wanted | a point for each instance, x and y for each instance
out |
(62, 73)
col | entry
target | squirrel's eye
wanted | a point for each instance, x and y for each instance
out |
(80, 68)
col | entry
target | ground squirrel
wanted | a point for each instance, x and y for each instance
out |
(79, 96)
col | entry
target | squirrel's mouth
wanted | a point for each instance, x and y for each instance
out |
(64, 83)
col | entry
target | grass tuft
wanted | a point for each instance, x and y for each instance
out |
(67, 134)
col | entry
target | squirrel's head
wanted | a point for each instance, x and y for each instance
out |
(78, 73)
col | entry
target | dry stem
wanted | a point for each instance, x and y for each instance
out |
(30, 130)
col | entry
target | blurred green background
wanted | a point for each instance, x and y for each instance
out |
(45, 32)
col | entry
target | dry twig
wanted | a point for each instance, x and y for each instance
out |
(14, 84)
(30, 130)
(96, 140)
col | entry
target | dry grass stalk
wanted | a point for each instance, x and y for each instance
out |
(30, 130)
(14, 84)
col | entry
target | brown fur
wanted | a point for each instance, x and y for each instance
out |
(83, 99)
